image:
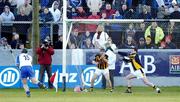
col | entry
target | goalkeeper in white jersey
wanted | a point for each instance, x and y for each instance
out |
(24, 63)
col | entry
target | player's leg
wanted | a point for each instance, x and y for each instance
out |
(111, 75)
(40, 84)
(26, 87)
(24, 75)
(107, 77)
(96, 74)
(148, 83)
(92, 81)
(31, 75)
(128, 78)
(103, 82)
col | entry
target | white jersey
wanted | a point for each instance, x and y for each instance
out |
(111, 59)
(24, 60)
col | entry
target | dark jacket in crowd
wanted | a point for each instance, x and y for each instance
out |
(46, 17)
(150, 46)
(175, 15)
(130, 15)
(144, 16)
(128, 46)
(170, 45)
(58, 44)
(2, 4)
(22, 28)
(15, 44)
(44, 3)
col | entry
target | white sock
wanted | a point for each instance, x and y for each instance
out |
(26, 88)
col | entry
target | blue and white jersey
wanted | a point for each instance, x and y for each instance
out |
(24, 60)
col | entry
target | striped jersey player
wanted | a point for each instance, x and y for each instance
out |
(138, 72)
(101, 61)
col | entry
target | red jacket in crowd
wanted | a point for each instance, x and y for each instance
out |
(44, 56)
(92, 27)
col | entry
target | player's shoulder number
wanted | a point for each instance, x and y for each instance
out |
(26, 57)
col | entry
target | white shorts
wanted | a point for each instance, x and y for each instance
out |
(139, 73)
(101, 71)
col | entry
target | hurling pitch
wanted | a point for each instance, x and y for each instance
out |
(140, 94)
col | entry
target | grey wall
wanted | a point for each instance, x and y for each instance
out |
(8, 59)
(159, 81)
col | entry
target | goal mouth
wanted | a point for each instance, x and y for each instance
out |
(117, 29)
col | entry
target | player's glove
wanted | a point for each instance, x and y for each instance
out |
(126, 59)
(122, 53)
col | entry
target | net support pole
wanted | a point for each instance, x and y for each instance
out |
(51, 32)
(64, 46)
(70, 29)
(0, 26)
(35, 29)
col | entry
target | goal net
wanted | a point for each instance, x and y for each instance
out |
(118, 30)
(80, 33)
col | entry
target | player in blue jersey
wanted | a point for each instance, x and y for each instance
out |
(138, 72)
(24, 63)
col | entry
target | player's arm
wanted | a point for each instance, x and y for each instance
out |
(105, 58)
(125, 56)
(30, 59)
(126, 59)
(95, 61)
(132, 56)
(123, 53)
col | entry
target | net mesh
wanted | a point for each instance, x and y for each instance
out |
(119, 30)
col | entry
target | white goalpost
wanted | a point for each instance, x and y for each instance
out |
(64, 44)
(67, 31)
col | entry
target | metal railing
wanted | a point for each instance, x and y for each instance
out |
(20, 27)
(168, 27)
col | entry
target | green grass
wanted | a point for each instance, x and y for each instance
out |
(140, 94)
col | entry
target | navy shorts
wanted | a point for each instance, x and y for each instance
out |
(27, 71)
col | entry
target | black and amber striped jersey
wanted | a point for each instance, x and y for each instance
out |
(135, 61)
(102, 64)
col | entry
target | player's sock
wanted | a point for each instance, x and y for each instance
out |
(157, 89)
(154, 87)
(128, 90)
(26, 88)
(28, 94)
(111, 90)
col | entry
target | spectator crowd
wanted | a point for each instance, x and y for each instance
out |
(126, 9)
(18, 34)
(142, 36)
(145, 35)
